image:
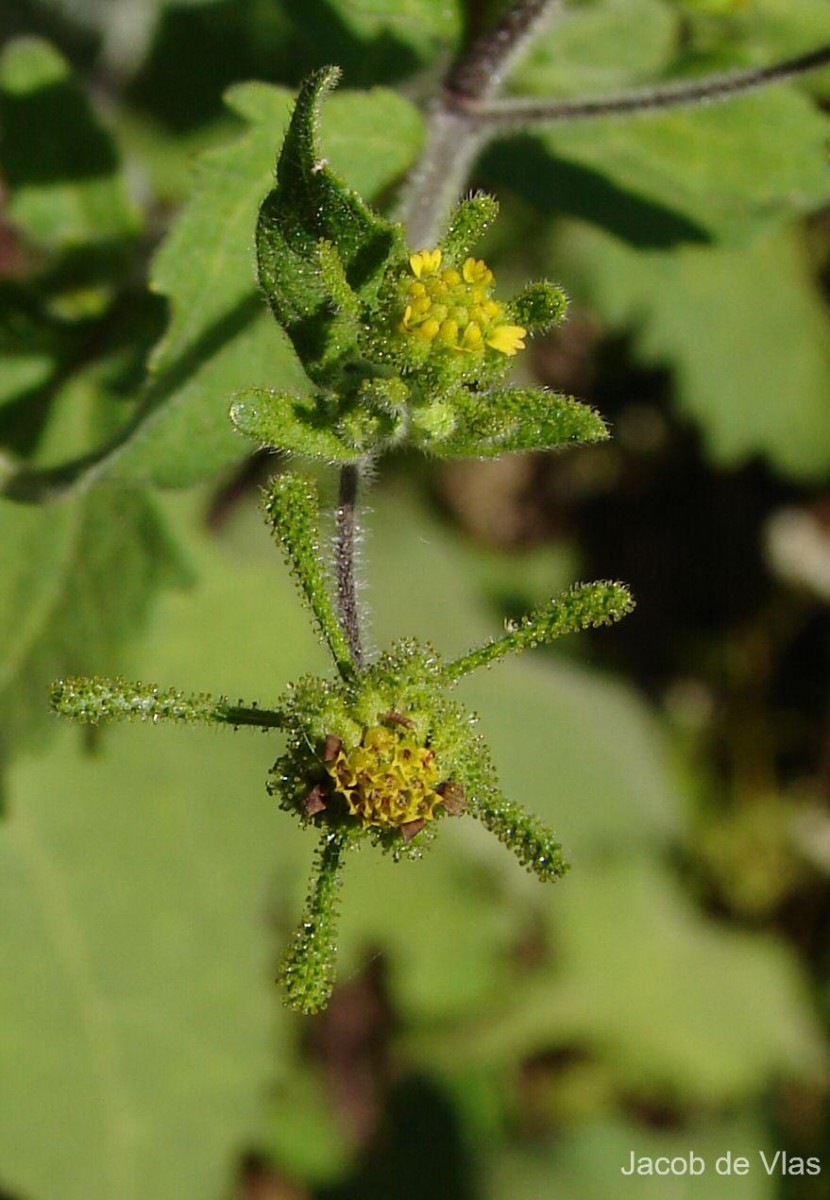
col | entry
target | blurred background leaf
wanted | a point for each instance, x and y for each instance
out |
(761, 386)
(672, 992)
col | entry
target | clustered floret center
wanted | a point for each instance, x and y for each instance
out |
(455, 309)
(389, 779)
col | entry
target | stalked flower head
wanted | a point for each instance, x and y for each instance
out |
(379, 752)
(402, 345)
(381, 755)
(438, 319)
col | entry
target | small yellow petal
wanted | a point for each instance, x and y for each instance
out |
(472, 338)
(407, 317)
(449, 330)
(425, 262)
(475, 270)
(507, 339)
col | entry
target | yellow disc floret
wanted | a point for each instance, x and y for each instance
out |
(455, 309)
(387, 780)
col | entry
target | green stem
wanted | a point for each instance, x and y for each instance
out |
(344, 556)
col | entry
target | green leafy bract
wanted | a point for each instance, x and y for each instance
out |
(309, 205)
(507, 420)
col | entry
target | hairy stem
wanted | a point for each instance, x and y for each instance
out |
(454, 137)
(481, 66)
(493, 116)
(467, 113)
(260, 718)
(344, 555)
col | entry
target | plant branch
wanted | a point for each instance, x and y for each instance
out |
(344, 556)
(454, 138)
(494, 116)
(480, 67)
(467, 114)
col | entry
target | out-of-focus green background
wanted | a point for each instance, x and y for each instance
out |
(490, 1038)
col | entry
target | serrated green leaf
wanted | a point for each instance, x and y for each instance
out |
(593, 47)
(221, 338)
(744, 330)
(76, 591)
(766, 30)
(137, 1001)
(731, 170)
(508, 421)
(59, 165)
(726, 172)
(311, 204)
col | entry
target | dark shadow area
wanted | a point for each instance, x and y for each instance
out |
(557, 187)
(419, 1152)
(120, 340)
(27, 18)
(50, 137)
(328, 39)
(684, 535)
(199, 52)
(34, 485)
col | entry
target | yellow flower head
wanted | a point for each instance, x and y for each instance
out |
(455, 309)
(388, 780)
